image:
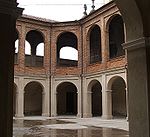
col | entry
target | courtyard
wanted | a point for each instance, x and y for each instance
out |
(69, 127)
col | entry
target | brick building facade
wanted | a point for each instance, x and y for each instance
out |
(93, 85)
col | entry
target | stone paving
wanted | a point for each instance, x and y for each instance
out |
(69, 127)
(98, 122)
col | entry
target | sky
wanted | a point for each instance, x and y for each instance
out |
(58, 10)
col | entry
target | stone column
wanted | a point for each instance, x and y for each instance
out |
(45, 106)
(53, 100)
(127, 105)
(16, 105)
(107, 105)
(79, 104)
(46, 99)
(20, 99)
(89, 94)
(87, 104)
(8, 15)
(54, 105)
(19, 104)
(138, 56)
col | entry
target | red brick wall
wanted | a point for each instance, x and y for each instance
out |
(51, 31)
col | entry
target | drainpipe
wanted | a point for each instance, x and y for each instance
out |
(81, 29)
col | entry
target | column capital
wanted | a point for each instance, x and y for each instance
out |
(10, 7)
(89, 92)
(108, 90)
(43, 93)
(136, 44)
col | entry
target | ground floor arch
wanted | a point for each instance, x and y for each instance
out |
(33, 99)
(117, 86)
(95, 89)
(66, 99)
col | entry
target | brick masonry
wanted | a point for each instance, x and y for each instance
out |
(51, 30)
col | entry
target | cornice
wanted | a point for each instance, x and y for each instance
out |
(137, 43)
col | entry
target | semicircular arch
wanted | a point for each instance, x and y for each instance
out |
(92, 83)
(112, 79)
(34, 83)
(66, 82)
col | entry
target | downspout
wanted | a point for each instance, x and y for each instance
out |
(81, 29)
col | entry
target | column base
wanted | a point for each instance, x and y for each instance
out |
(87, 115)
(79, 115)
(53, 115)
(45, 115)
(107, 116)
(19, 116)
(127, 118)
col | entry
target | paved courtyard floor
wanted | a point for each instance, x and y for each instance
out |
(69, 127)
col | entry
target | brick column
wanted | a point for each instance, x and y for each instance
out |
(47, 49)
(21, 49)
(103, 42)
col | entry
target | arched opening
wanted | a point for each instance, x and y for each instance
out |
(40, 49)
(116, 37)
(95, 45)
(40, 54)
(14, 99)
(16, 47)
(27, 49)
(66, 43)
(34, 49)
(96, 97)
(33, 99)
(72, 53)
(118, 88)
(66, 99)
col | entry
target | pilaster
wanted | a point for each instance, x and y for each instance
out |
(138, 56)
(53, 99)
(21, 51)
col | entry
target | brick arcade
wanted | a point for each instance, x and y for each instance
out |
(93, 85)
